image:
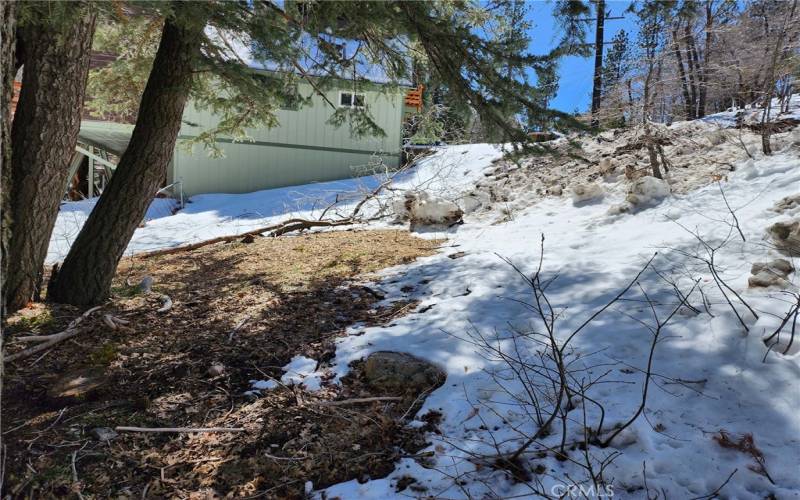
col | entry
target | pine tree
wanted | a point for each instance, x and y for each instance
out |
(56, 38)
(347, 38)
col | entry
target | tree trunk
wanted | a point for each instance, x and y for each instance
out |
(8, 22)
(86, 274)
(597, 83)
(769, 81)
(43, 136)
(8, 26)
(687, 99)
(701, 105)
(692, 70)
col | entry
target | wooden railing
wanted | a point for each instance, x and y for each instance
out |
(414, 97)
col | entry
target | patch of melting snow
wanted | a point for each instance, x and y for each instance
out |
(299, 371)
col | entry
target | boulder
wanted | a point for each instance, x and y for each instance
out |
(787, 203)
(647, 190)
(422, 208)
(773, 273)
(786, 236)
(585, 193)
(398, 372)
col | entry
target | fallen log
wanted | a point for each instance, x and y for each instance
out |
(284, 227)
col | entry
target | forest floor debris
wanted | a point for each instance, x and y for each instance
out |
(297, 295)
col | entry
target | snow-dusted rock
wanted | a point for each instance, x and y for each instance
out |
(647, 190)
(605, 166)
(787, 203)
(786, 236)
(583, 193)
(773, 273)
(398, 371)
(422, 208)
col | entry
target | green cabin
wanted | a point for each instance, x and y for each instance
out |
(303, 148)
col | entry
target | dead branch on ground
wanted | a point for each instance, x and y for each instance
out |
(48, 341)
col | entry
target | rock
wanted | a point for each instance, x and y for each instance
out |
(146, 285)
(786, 236)
(555, 190)
(647, 190)
(788, 203)
(766, 279)
(401, 372)
(605, 166)
(422, 208)
(779, 266)
(216, 369)
(584, 193)
(773, 273)
(103, 433)
(78, 385)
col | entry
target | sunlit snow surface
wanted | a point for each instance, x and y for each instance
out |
(595, 255)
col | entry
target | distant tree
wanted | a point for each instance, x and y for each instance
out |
(651, 16)
(617, 65)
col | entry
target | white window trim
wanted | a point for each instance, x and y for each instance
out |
(352, 99)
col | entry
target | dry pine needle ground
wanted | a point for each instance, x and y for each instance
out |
(290, 296)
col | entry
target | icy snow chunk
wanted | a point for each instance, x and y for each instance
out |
(302, 370)
(647, 190)
(263, 385)
(584, 193)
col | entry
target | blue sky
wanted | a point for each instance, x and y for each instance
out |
(575, 85)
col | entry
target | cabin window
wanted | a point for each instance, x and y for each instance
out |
(351, 100)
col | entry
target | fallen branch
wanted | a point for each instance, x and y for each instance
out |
(358, 401)
(287, 226)
(179, 429)
(47, 341)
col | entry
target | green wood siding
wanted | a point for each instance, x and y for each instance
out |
(303, 148)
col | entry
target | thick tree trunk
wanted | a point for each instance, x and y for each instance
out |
(8, 29)
(43, 137)
(8, 26)
(597, 83)
(86, 274)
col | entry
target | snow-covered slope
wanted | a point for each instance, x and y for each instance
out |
(713, 375)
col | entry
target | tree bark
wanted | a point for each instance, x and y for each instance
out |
(43, 135)
(8, 22)
(687, 99)
(86, 274)
(8, 27)
(597, 83)
(692, 69)
(701, 105)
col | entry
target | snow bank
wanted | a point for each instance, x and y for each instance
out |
(725, 382)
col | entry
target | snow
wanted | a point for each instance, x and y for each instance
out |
(299, 371)
(711, 374)
(447, 175)
(753, 114)
(732, 388)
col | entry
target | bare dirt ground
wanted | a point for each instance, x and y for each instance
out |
(289, 296)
